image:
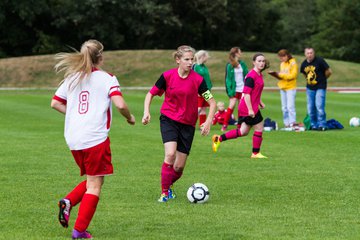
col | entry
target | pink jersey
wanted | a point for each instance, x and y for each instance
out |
(88, 109)
(181, 95)
(254, 84)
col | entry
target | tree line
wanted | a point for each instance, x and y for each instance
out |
(33, 27)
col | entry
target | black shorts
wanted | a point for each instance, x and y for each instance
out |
(173, 131)
(251, 121)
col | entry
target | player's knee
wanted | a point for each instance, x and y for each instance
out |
(170, 156)
(94, 190)
(178, 169)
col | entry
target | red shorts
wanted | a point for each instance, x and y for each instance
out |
(202, 102)
(94, 161)
(238, 95)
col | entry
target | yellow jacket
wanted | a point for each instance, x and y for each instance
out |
(288, 74)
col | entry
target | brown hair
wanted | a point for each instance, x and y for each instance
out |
(267, 62)
(232, 56)
(285, 52)
(79, 64)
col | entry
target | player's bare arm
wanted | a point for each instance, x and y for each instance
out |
(262, 105)
(248, 104)
(122, 107)
(205, 127)
(147, 102)
(58, 106)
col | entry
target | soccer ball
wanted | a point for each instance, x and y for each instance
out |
(198, 193)
(354, 122)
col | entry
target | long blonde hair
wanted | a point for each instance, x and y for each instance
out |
(79, 64)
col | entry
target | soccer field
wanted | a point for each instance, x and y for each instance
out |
(308, 188)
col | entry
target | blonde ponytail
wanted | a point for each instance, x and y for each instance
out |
(78, 65)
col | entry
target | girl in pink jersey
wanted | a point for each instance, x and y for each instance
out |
(181, 86)
(249, 113)
(85, 96)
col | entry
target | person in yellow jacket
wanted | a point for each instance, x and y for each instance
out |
(287, 83)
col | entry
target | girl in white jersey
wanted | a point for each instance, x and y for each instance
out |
(85, 96)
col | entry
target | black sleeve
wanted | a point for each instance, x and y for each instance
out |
(249, 82)
(161, 83)
(302, 67)
(203, 87)
(325, 64)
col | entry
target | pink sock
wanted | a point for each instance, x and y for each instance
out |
(257, 139)
(86, 212)
(166, 177)
(234, 133)
(77, 194)
(175, 176)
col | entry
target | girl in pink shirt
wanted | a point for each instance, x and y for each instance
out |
(178, 117)
(249, 113)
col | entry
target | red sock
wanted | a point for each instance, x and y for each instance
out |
(257, 139)
(175, 176)
(229, 111)
(202, 119)
(77, 194)
(86, 212)
(166, 177)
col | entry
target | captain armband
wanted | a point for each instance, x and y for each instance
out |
(207, 95)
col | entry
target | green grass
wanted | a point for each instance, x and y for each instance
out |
(143, 68)
(309, 188)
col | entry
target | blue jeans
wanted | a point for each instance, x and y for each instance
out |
(316, 107)
(288, 106)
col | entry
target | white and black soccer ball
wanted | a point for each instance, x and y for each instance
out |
(354, 122)
(198, 193)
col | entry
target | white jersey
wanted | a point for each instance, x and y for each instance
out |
(239, 78)
(88, 109)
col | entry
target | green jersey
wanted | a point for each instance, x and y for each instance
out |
(204, 72)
